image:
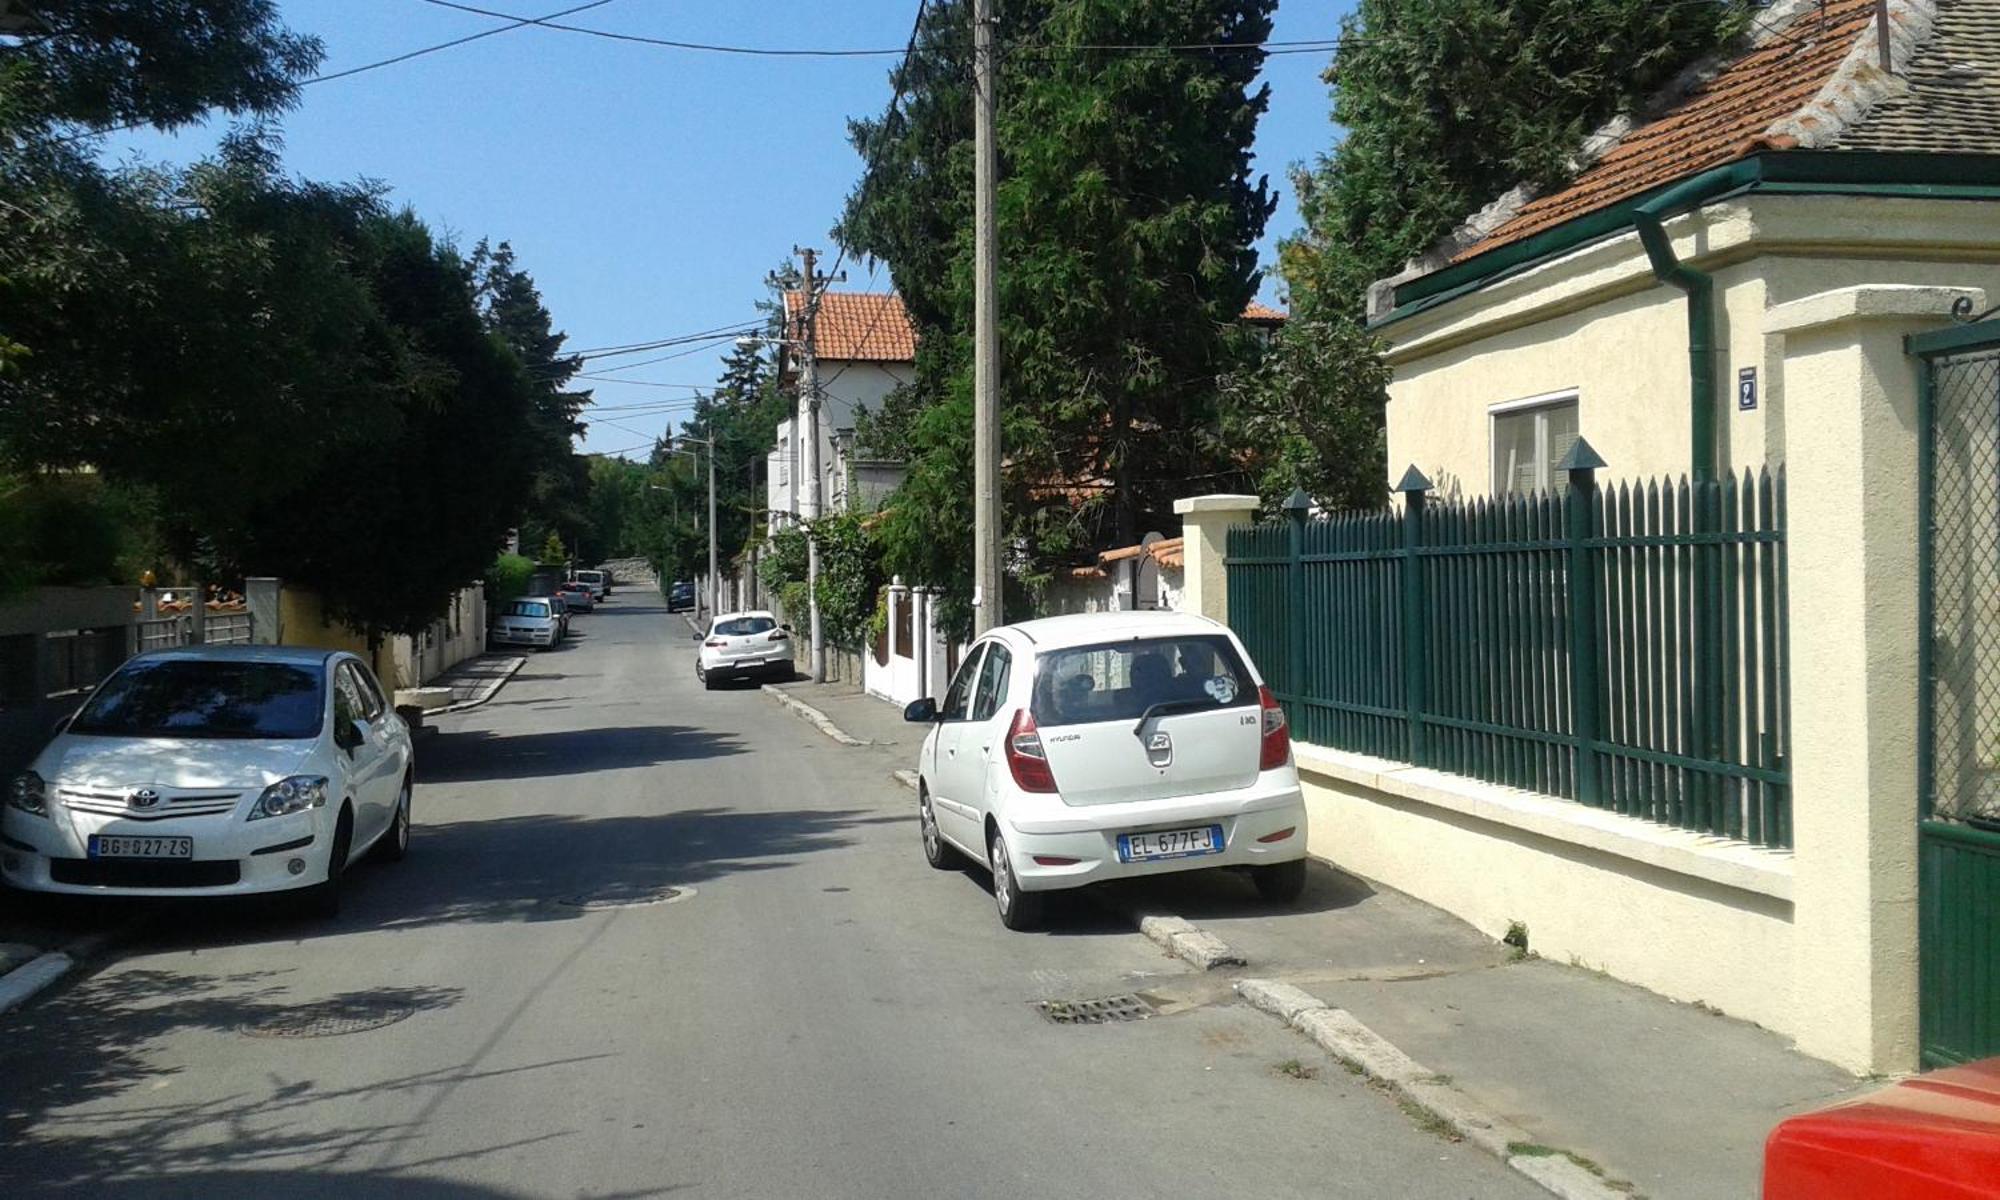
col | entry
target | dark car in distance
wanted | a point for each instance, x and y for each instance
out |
(680, 597)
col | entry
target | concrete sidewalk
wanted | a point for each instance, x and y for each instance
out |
(474, 681)
(1667, 1096)
(863, 716)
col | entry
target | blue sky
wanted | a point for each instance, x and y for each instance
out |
(647, 190)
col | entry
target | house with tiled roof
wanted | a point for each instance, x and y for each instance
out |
(1633, 304)
(867, 348)
(1789, 262)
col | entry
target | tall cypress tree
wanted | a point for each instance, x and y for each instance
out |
(1127, 219)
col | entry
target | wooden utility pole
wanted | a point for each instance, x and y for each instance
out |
(986, 587)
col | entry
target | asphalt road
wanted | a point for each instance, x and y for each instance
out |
(817, 1013)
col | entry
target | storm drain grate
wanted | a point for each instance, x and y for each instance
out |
(1102, 1011)
(329, 1018)
(627, 899)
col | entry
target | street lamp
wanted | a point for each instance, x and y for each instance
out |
(714, 576)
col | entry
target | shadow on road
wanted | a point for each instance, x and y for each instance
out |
(1220, 895)
(94, 1043)
(480, 756)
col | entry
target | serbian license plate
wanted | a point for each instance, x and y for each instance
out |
(1169, 843)
(114, 846)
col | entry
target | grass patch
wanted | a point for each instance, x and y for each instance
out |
(1428, 1121)
(1517, 939)
(1292, 1068)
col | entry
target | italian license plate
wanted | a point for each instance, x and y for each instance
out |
(1169, 843)
(115, 846)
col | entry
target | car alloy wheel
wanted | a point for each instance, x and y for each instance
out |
(397, 844)
(1019, 910)
(936, 853)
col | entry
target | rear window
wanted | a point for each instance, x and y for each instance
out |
(743, 626)
(190, 698)
(1121, 680)
(590, 576)
(528, 608)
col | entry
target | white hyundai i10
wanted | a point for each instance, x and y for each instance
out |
(1079, 749)
(215, 771)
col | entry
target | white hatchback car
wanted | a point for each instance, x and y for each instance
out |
(1079, 749)
(743, 645)
(215, 771)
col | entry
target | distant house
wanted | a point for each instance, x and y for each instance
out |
(867, 348)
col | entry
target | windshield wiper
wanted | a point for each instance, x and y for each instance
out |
(1165, 708)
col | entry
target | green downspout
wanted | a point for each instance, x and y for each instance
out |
(1700, 289)
(1708, 797)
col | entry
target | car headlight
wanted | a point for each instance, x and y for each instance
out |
(29, 794)
(296, 794)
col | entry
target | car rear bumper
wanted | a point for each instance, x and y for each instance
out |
(739, 668)
(1089, 838)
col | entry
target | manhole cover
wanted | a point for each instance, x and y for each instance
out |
(627, 899)
(1094, 1012)
(329, 1019)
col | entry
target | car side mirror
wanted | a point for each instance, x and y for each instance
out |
(62, 726)
(921, 712)
(347, 735)
(699, 636)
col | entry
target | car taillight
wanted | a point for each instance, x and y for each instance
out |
(778, 635)
(1277, 735)
(713, 642)
(1025, 756)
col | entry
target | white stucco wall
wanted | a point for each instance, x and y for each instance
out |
(1596, 321)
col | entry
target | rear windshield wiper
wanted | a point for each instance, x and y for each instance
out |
(1165, 708)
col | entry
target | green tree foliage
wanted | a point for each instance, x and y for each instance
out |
(1128, 214)
(92, 64)
(511, 309)
(300, 381)
(850, 576)
(507, 579)
(553, 550)
(1309, 414)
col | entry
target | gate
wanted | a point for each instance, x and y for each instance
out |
(1958, 775)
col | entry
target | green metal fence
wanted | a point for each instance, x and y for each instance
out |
(1621, 646)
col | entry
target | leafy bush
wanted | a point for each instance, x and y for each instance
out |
(508, 577)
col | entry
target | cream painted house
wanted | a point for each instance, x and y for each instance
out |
(1729, 283)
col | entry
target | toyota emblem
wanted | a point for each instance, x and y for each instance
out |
(145, 798)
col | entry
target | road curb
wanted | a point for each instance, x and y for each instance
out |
(906, 777)
(498, 683)
(1187, 941)
(43, 972)
(813, 716)
(1363, 1050)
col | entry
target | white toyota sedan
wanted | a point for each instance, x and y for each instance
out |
(215, 771)
(743, 645)
(1079, 749)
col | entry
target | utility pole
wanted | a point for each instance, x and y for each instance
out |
(714, 576)
(809, 392)
(986, 596)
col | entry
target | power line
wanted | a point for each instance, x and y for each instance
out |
(1299, 46)
(518, 22)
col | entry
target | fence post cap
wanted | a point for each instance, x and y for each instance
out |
(1414, 481)
(1298, 503)
(1188, 506)
(1582, 456)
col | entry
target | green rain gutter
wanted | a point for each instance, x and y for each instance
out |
(1700, 289)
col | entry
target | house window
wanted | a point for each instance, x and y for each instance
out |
(1529, 438)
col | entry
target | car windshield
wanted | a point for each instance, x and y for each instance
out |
(528, 608)
(743, 626)
(1120, 681)
(192, 698)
